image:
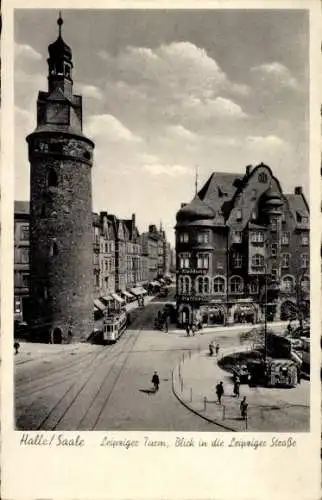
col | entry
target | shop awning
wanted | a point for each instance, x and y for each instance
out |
(127, 294)
(118, 298)
(99, 305)
(138, 291)
(107, 298)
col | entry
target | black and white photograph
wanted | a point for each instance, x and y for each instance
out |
(161, 220)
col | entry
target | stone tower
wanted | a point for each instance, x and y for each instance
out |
(61, 232)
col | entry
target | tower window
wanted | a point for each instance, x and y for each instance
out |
(52, 178)
(53, 248)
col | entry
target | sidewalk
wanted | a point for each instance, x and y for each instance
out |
(245, 327)
(269, 409)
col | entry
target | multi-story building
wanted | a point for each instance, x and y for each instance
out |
(107, 256)
(21, 259)
(149, 241)
(134, 253)
(242, 250)
(156, 248)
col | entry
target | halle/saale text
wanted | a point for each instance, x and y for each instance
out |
(42, 439)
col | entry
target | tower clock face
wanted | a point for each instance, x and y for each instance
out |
(58, 113)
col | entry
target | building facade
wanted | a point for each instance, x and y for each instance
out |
(21, 260)
(242, 250)
(61, 230)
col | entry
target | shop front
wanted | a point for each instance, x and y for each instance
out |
(213, 314)
(244, 313)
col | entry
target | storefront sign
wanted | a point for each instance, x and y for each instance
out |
(189, 272)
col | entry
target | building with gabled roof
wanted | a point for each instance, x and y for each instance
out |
(242, 245)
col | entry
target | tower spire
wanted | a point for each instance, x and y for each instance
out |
(59, 22)
(196, 181)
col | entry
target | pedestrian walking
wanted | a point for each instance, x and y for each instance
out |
(289, 328)
(193, 329)
(217, 349)
(188, 330)
(219, 391)
(16, 347)
(211, 349)
(243, 408)
(166, 326)
(156, 381)
(237, 387)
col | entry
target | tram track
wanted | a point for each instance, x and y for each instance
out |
(67, 418)
(47, 412)
(20, 379)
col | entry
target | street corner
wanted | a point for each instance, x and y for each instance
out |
(190, 376)
(267, 408)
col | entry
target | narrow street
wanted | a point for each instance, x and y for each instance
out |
(109, 388)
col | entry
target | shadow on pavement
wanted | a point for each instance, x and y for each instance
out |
(147, 391)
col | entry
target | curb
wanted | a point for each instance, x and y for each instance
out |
(186, 405)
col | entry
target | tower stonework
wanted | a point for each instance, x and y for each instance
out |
(61, 231)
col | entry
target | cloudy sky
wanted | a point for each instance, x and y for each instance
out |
(166, 92)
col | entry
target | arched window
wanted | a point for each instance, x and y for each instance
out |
(236, 284)
(206, 285)
(258, 260)
(186, 284)
(219, 284)
(52, 178)
(305, 284)
(199, 284)
(288, 283)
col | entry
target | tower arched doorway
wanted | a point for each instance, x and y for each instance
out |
(57, 336)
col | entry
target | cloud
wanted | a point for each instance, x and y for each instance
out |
(180, 132)
(107, 128)
(91, 91)
(159, 169)
(276, 73)
(173, 81)
(25, 51)
(262, 142)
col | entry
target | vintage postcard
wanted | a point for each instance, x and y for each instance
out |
(160, 250)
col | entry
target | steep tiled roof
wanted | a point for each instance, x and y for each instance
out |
(196, 209)
(218, 192)
(21, 207)
(297, 204)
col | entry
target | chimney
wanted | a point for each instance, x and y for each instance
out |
(298, 190)
(248, 169)
(133, 219)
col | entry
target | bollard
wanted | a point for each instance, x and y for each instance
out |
(224, 412)
(181, 385)
(189, 354)
(190, 394)
(205, 403)
(183, 358)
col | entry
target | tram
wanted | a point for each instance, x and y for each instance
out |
(114, 326)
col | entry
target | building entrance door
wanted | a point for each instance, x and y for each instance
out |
(57, 337)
